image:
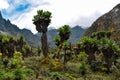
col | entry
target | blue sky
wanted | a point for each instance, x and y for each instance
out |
(72, 12)
(18, 9)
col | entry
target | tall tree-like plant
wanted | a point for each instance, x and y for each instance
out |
(41, 21)
(90, 46)
(21, 42)
(63, 35)
(109, 49)
(65, 47)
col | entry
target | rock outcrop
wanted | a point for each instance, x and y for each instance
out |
(109, 21)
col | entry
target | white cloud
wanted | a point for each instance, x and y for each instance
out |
(68, 11)
(3, 4)
(73, 12)
(25, 21)
(37, 2)
(85, 21)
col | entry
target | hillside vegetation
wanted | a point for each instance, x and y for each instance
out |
(93, 58)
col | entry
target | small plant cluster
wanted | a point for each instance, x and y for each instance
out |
(13, 69)
(83, 62)
(17, 60)
(15, 74)
(59, 76)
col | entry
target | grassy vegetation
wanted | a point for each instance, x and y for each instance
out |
(94, 58)
(70, 71)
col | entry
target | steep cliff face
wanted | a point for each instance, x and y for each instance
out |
(109, 21)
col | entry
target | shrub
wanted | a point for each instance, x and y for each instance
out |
(71, 76)
(56, 75)
(4, 75)
(17, 60)
(5, 61)
(22, 73)
(83, 68)
(83, 57)
(96, 66)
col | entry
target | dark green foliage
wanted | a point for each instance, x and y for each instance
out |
(87, 41)
(83, 68)
(57, 40)
(5, 62)
(109, 49)
(100, 42)
(18, 74)
(5, 38)
(42, 15)
(17, 60)
(101, 34)
(5, 75)
(89, 46)
(96, 66)
(56, 75)
(66, 44)
(21, 73)
(63, 36)
(38, 51)
(21, 43)
(9, 44)
(67, 53)
(15, 74)
(42, 20)
(64, 32)
(14, 69)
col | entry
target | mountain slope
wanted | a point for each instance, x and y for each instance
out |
(109, 21)
(76, 33)
(11, 29)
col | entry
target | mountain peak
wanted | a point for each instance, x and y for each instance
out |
(77, 26)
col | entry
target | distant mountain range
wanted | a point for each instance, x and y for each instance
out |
(7, 28)
(76, 34)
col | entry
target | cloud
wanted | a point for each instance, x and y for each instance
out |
(75, 11)
(85, 21)
(17, 7)
(25, 21)
(72, 12)
(21, 12)
(3, 4)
